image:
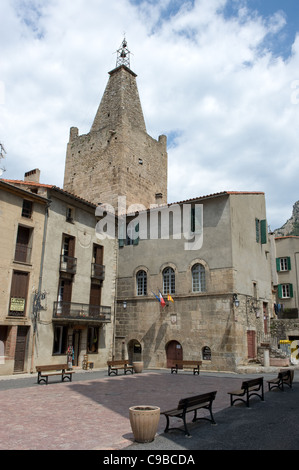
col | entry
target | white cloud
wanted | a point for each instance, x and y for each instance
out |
(212, 83)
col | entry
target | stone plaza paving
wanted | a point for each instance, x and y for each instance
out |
(92, 411)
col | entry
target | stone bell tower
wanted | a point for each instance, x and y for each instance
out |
(117, 157)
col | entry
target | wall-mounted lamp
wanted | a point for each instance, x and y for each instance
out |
(253, 305)
(236, 300)
(125, 304)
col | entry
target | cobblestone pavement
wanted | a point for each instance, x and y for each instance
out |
(92, 412)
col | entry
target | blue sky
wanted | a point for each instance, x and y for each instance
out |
(219, 77)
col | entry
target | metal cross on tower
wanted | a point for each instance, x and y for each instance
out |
(123, 55)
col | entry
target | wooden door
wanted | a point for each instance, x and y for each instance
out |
(174, 352)
(265, 313)
(76, 346)
(21, 346)
(98, 254)
(251, 344)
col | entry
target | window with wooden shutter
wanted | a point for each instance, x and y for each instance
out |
(264, 232)
(285, 291)
(18, 293)
(283, 264)
(27, 209)
(261, 233)
(23, 244)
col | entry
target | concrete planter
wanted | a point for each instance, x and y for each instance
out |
(144, 422)
(138, 366)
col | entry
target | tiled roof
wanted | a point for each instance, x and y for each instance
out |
(49, 186)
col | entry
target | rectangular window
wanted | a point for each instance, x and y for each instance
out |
(68, 262)
(69, 214)
(285, 291)
(261, 234)
(132, 237)
(257, 230)
(283, 264)
(23, 244)
(60, 339)
(92, 339)
(27, 209)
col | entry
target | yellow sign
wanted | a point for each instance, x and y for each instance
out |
(17, 305)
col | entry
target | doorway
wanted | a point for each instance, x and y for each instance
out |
(174, 352)
(21, 347)
(76, 346)
(251, 344)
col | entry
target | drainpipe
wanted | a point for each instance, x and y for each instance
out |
(115, 300)
(36, 302)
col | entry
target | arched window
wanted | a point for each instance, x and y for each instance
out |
(198, 278)
(206, 353)
(141, 283)
(168, 281)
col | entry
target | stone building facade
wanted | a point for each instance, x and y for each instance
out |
(220, 288)
(22, 216)
(71, 293)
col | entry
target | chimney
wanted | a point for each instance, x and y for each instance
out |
(32, 175)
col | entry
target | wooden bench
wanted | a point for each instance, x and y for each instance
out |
(186, 405)
(193, 365)
(44, 372)
(248, 389)
(283, 377)
(115, 366)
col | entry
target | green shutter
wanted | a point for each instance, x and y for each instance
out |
(291, 290)
(278, 265)
(279, 291)
(289, 263)
(263, 232)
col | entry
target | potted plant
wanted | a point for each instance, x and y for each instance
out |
(144, 420)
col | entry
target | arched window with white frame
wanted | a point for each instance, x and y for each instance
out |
(168, 281)
(141, 282)
(198, 278)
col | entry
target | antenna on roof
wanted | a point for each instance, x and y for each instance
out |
(2, 155)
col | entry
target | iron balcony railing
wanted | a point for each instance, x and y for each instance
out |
(68, 264)
(78, 311)
(22, 253)
(98, 271)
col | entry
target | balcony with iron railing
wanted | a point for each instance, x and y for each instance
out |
(81, 312)
(68, 264)
(98, 271)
